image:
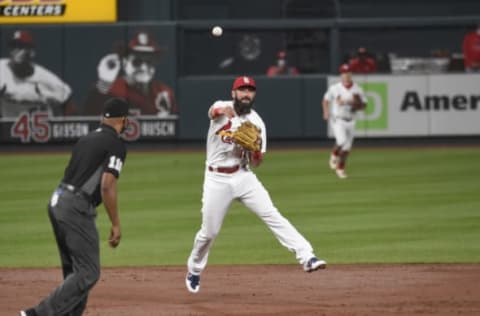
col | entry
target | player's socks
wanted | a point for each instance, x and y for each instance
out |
(333, 161)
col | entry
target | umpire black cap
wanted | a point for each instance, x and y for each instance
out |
(115, 107)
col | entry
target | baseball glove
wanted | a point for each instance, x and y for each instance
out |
(247, 135)
(357, 103)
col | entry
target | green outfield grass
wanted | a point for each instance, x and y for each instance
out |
(398, 206)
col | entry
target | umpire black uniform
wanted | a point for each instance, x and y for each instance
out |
(90, 177)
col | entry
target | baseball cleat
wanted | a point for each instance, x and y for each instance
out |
(341, 173)
(28, 312)
(313, 264)
(192, 282)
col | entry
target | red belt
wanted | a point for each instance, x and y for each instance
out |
(224, 169)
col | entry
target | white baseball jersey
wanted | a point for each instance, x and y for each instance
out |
(346, 94)
(40, 91)
(221, 150)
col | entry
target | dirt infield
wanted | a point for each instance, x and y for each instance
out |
(421, 289)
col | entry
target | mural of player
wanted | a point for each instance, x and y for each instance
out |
(129, 73)
(26, 87)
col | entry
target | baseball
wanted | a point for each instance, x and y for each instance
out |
(217, 31)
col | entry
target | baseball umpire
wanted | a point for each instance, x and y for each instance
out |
(90, 178)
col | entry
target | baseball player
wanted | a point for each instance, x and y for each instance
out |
(340, 103)
(228, 177)
(26, 86)
(90, 178)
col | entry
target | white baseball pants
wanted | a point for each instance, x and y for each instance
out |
(219, 190)
(344, 133)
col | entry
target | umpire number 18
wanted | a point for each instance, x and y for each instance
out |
(115, 163)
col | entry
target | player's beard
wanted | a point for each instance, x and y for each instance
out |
(20, 62)
(24, 70)
(243, 106)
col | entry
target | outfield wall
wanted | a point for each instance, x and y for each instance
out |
(398, 105)
(420, 105)
(291, 107)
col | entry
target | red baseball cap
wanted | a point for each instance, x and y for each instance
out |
(21, 38)
(142, 42)
(244, 81)
(344, 68)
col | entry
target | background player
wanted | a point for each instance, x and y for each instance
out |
(340, 103)
(228, 177)
(90, 178)
(130, 75)
(26, 86)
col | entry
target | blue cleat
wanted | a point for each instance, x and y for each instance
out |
(313, 264)
(192, 282)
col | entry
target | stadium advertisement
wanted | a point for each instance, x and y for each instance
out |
(419, 105)
(57, 11)
(40, 127)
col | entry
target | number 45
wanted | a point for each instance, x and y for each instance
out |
(36, 127)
